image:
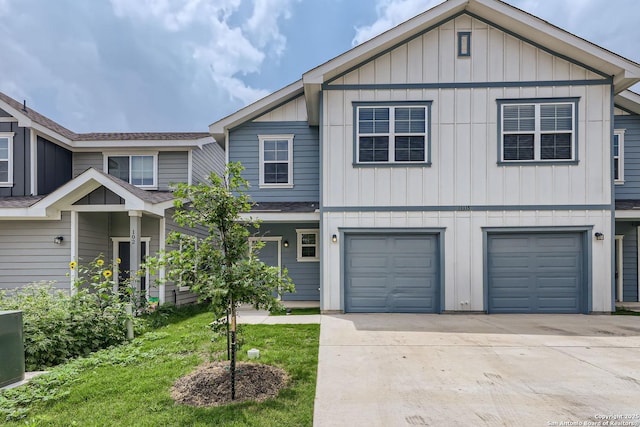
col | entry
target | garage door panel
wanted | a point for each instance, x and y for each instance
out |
(545, 276)
(368, 283)
(405, 268)
(510, 261)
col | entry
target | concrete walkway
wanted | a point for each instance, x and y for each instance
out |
(477, 370)
(249, 316)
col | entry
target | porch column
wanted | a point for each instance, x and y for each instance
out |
(162, 273)
(74, 251)
(135, 227)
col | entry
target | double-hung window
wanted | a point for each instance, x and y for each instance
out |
(618, 156)
(139, 170)
(308, 245)
(276, 161)
(392, 135)
(6, 159)
(542, 130)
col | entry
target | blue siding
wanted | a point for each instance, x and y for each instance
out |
(21, 160)
(305, 275)
(243, 147)
(629, 259)
(630, 190)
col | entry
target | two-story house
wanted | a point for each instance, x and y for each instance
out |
(626, 175)
(73, 197)
(461, 161)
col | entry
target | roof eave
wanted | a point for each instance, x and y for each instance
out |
(628, 100)
(251, 111)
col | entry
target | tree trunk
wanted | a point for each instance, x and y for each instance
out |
(233, 350)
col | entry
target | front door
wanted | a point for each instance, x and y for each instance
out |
(122, 251)
(270, 253)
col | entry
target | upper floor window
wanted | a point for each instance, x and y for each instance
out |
(308, 245)
(618, 156)
(538, 130)
(392, 134)
(139, 170)
(276, 161)
(6, 159)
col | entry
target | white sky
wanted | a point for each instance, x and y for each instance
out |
(179, 65)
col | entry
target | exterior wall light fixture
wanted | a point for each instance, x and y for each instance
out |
(58, 240)
(599, 236)
(334, 238)
(285, 243)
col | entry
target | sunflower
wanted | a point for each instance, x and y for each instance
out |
(118, 260)
(107, 273)
(100, 263)
(72, 265)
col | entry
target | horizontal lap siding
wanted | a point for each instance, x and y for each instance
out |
(84, 161)
(28, 254)
(94, 239)
(244, 147)
(631, 187)
(173, 167)
(305, 275)
(206, 160)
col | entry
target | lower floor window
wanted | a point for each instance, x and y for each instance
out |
(308, 249)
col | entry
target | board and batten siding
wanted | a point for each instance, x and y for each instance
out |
(28, 254)
(54, 166)
(629, 231)
(21, 160)
(463, 274)
(84, 161)
(292, 111)
(464, 129)
(209, 158)
(173, 167)
(630, 190)
(244, 147)
(465, 189)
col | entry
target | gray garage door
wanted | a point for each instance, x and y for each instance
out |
(535, 273)
(391, 273)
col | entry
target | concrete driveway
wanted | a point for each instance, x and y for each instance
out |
(512, 370)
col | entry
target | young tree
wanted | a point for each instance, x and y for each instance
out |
(218, 261)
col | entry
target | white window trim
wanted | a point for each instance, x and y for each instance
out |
(154, 154)
(537, 132)
(620, 133)
(289, 139)
(300, 232)
(392, 134)
(9, 136)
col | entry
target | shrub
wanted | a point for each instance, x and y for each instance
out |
(58, 326)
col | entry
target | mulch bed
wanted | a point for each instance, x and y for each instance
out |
(210, 384)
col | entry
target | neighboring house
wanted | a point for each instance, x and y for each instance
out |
(461, 161)
(67, 196)
(626, 158)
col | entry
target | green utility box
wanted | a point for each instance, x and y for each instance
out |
(11, 348)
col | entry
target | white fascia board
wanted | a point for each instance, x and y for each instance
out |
(217, 129)
(360, 53)
(17, 214)
(282, 216)
(628, 214)
(557, 39)
(628, 100)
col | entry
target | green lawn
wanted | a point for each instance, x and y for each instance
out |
(130, 385)
(296, 311)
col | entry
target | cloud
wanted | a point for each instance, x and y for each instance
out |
(231, 49)
(391, 13)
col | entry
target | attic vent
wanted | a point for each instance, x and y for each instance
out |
(464, 43)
